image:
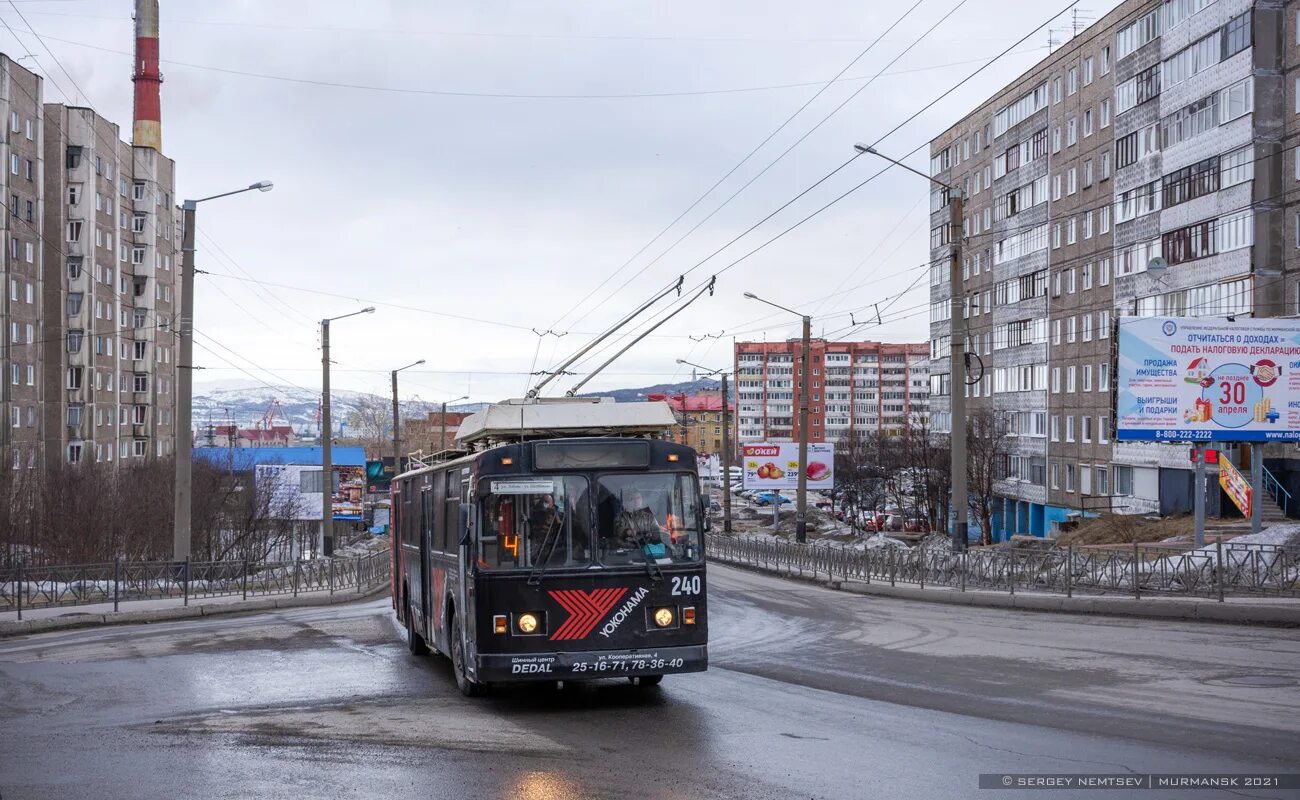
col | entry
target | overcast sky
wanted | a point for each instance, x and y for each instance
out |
(430, 201)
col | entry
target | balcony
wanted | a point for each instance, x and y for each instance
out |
(140, 431)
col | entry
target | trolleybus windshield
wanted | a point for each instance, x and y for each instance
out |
(535, 521)
(647, 517)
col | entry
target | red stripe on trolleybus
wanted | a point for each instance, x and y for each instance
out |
(586, 610)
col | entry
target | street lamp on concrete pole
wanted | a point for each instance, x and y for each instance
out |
(956, 349)
(442, 422)
(726, 442)
(185, 376)
(397, 417)
(801, 500)
(327, 435)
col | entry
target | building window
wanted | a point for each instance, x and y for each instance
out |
(74, 453)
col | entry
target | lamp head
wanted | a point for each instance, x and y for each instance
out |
(864, 148)
(681, 361)
(263, 186)
(418, 363)
(368, 310)
(751, 295)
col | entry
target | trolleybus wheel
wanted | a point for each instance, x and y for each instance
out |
(414, 641)
(467, 687)
(646, 680)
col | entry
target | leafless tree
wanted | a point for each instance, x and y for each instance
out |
(926, 457)
(987, 448)
(859, 474)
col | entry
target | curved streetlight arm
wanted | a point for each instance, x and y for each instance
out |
(707, 371)
(753, 296)
(261, 186)
(863, 148)
(408, 366)
(369, 310)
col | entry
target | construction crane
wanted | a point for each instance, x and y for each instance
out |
(268, 419)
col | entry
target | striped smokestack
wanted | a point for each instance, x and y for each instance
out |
(147, 78)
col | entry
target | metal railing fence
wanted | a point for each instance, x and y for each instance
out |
(1138, 571)
(25, 587)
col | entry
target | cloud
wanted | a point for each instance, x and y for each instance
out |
(514, 209)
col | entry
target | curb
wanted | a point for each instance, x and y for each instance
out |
(1197, 610)
(74, 620)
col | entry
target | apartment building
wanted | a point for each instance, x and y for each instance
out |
(856, 387)
(1138, 170)
(112, 254)
(700, 419)
(24, 338)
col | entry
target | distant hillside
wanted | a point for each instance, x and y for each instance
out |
(244, 405)
(640, 393)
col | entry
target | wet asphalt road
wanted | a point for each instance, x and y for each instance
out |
(812, 694)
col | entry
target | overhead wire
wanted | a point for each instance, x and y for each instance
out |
(782, 126)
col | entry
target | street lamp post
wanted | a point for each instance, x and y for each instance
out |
(326, 437)
(442, 422)
(397, 417)
(956, 351)
(726, 442)
(801, 501)
(185, 376)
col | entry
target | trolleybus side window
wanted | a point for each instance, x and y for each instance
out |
(529, 522)
(408, 523)
(426, 513)
(648, 517)
(450, 538)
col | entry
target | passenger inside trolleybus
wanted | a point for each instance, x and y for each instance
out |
(542, 523)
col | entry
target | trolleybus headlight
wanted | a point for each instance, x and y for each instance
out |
(527, 623)
(664, 617)
(499, 623)
(688, 615)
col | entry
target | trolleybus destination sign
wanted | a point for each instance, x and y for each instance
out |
(1208, 379)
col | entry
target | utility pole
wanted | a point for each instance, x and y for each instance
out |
(726, 459)
(442, 422)
(801, 500)
(726, 443)
(396, 416)
(956, 350)
(957, 379)
(326, 455)
(185, 392)
(185, 377)
(1198, 499)
(326, 437)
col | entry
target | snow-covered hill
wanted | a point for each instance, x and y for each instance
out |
(245, 404)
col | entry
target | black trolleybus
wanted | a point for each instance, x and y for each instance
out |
(555, 559)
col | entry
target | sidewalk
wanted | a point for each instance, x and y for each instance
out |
(1280, 611)
(134, 612)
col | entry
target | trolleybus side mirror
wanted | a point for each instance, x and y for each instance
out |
(465, 537)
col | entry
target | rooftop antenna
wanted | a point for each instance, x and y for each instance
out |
(1080, 18)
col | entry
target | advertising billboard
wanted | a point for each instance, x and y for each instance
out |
(1195, 380)
(776, 466)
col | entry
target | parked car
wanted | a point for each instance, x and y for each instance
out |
(768, 498)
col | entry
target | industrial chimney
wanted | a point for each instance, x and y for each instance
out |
(147, 78)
